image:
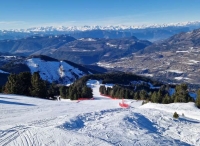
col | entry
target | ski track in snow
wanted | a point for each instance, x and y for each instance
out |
(32, 121)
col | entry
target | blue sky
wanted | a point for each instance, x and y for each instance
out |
(30, 13)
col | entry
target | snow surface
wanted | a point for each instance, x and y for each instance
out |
(194, 61)
(181, 78)
(182, 51)
(54, 70)
(32, 121)
(88, 39)
(1, 71)
(147, 75)
(176, 71)
(111, 45)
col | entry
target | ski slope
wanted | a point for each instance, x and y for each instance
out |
(32, 121)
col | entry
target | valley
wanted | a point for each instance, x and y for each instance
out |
(173, 60)
(169, 66)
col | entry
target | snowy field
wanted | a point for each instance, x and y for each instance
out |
(31, 121)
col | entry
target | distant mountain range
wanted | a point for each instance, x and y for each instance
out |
(29, 45)
(147, 32)
(82, 51)
(110, 27)
(175, 59)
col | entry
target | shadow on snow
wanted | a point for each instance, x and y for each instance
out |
(74, 124)
(8, 98)
(145, 124)
(15, 103)
(187, 120)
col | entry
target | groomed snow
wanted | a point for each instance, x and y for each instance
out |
(33, 121)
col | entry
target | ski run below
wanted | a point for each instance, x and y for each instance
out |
(38, 122)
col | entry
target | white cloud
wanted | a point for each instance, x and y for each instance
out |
(12, 24)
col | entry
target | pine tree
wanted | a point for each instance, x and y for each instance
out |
(126, 96)
(166, 99)
(52, 90)
(12, 86)
(181, 94)
(108, 90)
(87, 92)
(121, 93)
(71, 92)
(143, 95)
(103, 90)
(24, 82)
(136, 96)
(39, 87)
(198, 99)
(117, 93)
(159, 96)
(63, 92)
(154, 97)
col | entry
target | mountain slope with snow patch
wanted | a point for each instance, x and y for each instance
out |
(52, 70)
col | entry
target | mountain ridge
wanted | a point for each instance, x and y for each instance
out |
(148, 32)
(100, 27)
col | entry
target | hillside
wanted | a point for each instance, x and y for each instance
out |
(186, 41)
(52, 70)
(82, 51)
(88, 50)
(29, 45)
(174, 60)
(32, 121)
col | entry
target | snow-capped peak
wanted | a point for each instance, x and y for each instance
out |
(98, 27)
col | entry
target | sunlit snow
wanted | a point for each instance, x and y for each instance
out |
(54, 70)
(33, 121)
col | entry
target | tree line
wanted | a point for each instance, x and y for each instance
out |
(29, 84)
(160, 95)
(74, 92)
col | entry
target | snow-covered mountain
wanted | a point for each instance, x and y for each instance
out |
(54, 70)
(150, 32)
(50, 69)
(98, 27)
